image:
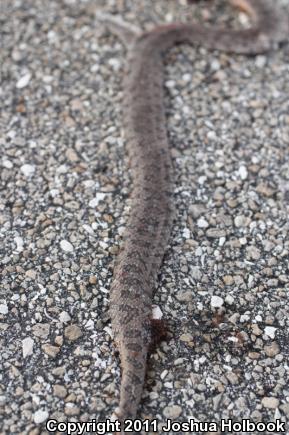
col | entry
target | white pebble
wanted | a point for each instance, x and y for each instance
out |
(187, 77)
(261, 61)
(270, 331)
(19, 243)
(156, 312)
(95, 201)
(211, 135)
(216, 301)
(27, 169)
(186, 233)
(66, 246)
(202, 179)
(40, 416)
(89, 325)
(115, 64)
(243, 172)
(170, 84)
(244, 20)
(202, 223)
(47, 79)
(88, 183)
(108, 330)
(241, 221)
(94, 68)
(23, 81)
(88, 229)
(3, 308)
(244, 318)
(198, 251)
(64, 317)
(11, 134)
(229, 299)
(222, 241)
(27, 346)
(54, 192)
(7, 164)
(215, 65)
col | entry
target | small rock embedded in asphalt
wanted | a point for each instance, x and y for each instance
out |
(66, 246)
(27, 346)
(72, 332)
(216, 301)
(40, 416)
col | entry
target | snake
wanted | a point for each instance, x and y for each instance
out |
(146, 139)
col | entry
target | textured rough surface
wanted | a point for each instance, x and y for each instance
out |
(151, 217)
(65, 177)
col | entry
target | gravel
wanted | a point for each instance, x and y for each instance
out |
(65, 187)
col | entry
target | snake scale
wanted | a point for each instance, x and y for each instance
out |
(146, 139)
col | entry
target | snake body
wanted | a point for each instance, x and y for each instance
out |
(152, 209)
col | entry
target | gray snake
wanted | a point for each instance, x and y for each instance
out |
(152, 209)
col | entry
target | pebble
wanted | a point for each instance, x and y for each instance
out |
(215, 233)
(23, 81)
(270, 331)
(272, 350)
(216, 301)
(253, 253)
(19, 244)
(222, 241)
(156, 312)
(196, 210)
(51, 350)
(212, 136)
(3, 400)
(27, 346)
(64, 317)
(256, 330)
(285, 408)
(232, 378)
(172, 412)
(228, 279)
(261, 61)
(254, 355)
(88, 229)
(229, 299)
(241, 221)
(27, 169)
(40, 416)
(97, 199)
(202, 223)
(196, 273)
(3, 309)
(31, 274)
(92, 280)
(215, 65)
(72, 332)
(7, 164)
(243, 173)
(71, 155)
(71, 410)
(170, 84)
(41, 330)
(66, 246)
(59, 391)
(270, 402)
(186, 233)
